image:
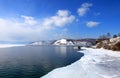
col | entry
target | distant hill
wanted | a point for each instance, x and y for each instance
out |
(80, 42)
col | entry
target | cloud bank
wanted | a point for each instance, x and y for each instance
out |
(31, 29)
(28, 28)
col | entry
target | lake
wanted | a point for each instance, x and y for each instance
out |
(35, 61)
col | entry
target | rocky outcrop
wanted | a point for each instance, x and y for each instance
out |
(111, 44)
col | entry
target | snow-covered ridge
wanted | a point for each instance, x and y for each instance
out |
(96, 63)
(66, 42)
(72, 42)
(36, 43)
(63, 42)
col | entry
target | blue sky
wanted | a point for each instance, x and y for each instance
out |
(34, 20)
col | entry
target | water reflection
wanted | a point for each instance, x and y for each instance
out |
(34, 61)
(61, 50)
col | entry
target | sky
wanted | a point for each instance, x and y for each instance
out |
(34, 20)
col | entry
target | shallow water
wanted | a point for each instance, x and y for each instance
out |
(34, 61)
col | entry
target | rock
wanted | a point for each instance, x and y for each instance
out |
(111, 44)
(116, 47)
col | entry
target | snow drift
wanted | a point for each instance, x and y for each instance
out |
(97, 63)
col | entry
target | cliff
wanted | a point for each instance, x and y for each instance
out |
(111, 44)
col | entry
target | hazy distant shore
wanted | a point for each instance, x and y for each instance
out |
(10, 45)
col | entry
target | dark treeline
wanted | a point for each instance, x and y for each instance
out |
(108, 36)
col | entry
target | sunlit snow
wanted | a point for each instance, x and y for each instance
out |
(96, 63)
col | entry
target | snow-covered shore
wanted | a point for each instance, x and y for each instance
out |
(96, 63)
(10, 45)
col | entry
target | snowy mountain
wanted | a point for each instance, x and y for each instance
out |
(67, 42)
(70, 42)
(37, 43)
(63, 42)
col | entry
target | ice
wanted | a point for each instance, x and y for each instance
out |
(96, 63)
(10, 45)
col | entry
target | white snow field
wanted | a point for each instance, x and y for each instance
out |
(10, 45)
(96, 63)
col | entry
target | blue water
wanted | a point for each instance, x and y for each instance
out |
(34, 61)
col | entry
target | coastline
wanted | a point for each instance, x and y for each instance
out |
(96, 63)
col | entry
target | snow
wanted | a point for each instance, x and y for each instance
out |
(83, 43)
(10, 45)
(96, 63)
(117, 39)
(63, 42)
(37, 43)
(72, 42)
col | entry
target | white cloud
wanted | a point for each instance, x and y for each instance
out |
(12, 30)
(31, 29)
(62, 18)
(29, 20)
(63, 13)
(92, 23)
(84, 8)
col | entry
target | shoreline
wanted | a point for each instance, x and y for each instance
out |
(96, 63)
(10, 45)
